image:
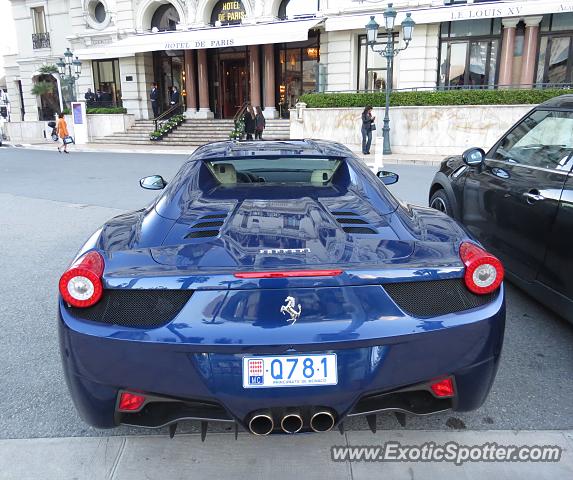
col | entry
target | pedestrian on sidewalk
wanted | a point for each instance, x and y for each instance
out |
(260, 124)
(367, 127)
(62, 129)
(249, 119)
(154, 97)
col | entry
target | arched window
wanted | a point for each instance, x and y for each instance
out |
(292, 8)
(165, 18)
(228, 12)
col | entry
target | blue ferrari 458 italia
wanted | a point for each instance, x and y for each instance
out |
(281, 287)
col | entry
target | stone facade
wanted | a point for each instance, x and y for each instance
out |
(96, 24)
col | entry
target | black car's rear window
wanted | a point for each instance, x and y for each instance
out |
(274, 170)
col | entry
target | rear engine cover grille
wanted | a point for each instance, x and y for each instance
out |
(356, 221)
(135, 308)
(435, 297)
(202, 234)
(215, 223)
(359, 230)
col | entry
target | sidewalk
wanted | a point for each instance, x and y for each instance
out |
(278, 457)
(396, 158)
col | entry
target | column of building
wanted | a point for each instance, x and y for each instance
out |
(529, 50)
(203, 80)
(190, 84)
(270, 110)
(507, 49)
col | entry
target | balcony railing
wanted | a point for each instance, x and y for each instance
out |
(40, 40)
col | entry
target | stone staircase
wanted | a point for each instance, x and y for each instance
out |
(191, 133)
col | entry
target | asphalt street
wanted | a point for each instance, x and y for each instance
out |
(50, 203)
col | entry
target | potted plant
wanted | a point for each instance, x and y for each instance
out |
(155, 136)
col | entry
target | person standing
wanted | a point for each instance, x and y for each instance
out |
(367, 123)
(89, 97)
(175, 96)
(260, 124)
(62, 130)
(249, 120)
(154, 97)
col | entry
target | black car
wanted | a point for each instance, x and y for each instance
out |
(517, 199)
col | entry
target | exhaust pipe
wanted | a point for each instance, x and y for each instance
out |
(292, 422)
(261, 423)
(322, 421)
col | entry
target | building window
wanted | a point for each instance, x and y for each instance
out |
(39, 20)
(107, 83)
(99, 12)
(371, 65)
(297, 70)
(165, 18)
(554, 61)
(469, 53)
(97, 15)
(290, 9)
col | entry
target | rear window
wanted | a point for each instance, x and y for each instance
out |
(276, 171)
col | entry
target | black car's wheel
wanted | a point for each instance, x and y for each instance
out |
(441, 202)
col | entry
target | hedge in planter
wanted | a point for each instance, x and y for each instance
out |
(101, 111)
(433, 98)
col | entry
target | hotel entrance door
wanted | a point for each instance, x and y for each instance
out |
(234, 86)
(228, 80)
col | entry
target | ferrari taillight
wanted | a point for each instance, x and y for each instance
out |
(484, 272)
(80, 285)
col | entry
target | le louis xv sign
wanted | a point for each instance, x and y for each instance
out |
(509, 10)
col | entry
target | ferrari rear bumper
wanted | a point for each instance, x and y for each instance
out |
(192, 381)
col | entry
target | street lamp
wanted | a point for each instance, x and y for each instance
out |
(69, 69)
(389, 52)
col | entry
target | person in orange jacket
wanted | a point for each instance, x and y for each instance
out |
(62, 129)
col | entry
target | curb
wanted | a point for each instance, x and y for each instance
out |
(309, 456)
(396, 159)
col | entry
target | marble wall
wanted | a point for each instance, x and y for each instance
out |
(442, 130)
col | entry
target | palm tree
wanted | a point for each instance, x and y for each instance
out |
(48, 69)
(45, 89)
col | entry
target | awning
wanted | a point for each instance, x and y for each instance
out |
(216, 37)
(473, 11)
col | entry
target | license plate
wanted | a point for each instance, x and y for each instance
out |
(290, 371)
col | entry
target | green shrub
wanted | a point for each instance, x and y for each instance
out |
(100, 111)
(432, 98)
(106, 110)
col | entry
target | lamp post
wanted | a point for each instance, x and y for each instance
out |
(69, 70)
(389, 52)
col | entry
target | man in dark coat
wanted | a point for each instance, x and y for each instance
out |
(89, 97)
(154, 97)
(175, 96)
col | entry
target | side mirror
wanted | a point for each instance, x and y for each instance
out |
(473, 157)
(388, 178)
(153, 182)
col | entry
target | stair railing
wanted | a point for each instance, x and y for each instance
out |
(238, 125)
(240, 112)
(160, 120)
